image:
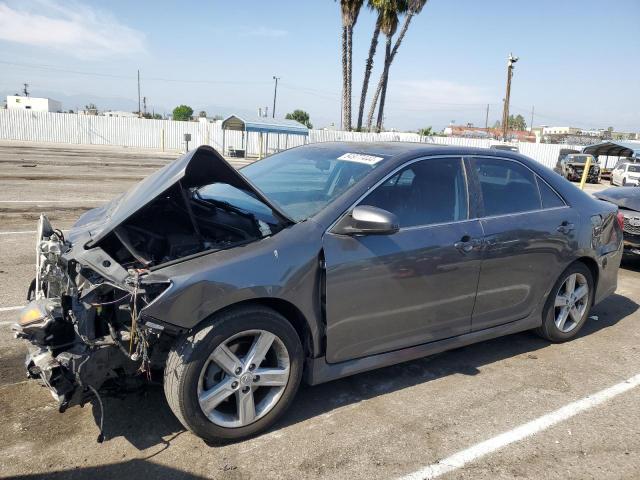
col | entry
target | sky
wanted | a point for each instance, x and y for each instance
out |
(578, 58)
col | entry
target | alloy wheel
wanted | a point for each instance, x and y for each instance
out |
(244, 378)
(571, 302)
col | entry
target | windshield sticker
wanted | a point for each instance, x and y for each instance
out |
(360, 158)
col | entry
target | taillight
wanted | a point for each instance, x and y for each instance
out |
(620, 218)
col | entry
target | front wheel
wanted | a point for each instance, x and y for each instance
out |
(568, 305)
(624, 182)
(236, 375)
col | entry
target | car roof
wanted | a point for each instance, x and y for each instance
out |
(404, 150)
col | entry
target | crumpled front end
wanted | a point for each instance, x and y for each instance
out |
(83, 325)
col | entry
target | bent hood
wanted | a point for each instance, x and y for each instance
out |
(625, 197)
(199, 167)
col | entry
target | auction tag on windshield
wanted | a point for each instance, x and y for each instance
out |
(360, 158)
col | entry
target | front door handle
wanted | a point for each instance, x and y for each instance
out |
(467, 244)
(566, 227)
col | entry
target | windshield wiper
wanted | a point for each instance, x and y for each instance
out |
(224, 205)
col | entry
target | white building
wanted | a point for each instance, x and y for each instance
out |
(561, 131)
(119, 113)
(15, 102)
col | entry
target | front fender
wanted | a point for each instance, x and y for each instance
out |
(285, 267)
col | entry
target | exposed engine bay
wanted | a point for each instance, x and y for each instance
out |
(85, 322)
(181, 223)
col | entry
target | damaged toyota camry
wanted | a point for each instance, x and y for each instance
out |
(319, 262)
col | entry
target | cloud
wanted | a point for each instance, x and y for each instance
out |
(262, 32)
(437, 93)
(79, 30)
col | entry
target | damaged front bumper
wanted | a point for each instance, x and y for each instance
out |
(84, 329)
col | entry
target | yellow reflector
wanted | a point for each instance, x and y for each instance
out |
(30, 315)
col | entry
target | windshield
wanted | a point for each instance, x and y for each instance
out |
(633, 168)
(303, 181)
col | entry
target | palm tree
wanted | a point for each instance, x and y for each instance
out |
(414, 7)
(350, 10)
(379, 6)
(388, 21)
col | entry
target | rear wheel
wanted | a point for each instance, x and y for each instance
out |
(236, 375)
(568, 305)
(624, 182)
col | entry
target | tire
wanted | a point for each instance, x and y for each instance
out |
(624, 182)
(189, 367)
(550, 329)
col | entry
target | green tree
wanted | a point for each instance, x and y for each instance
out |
(517, 123)
(182, 113)
(156, 116)
(427, 132)
(349, 10)
(299, 116)
(202, 114)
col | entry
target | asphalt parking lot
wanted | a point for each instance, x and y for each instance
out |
(387, 423)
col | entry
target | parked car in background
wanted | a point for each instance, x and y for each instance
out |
(571, 167)
(626, 174)
(508, 148)
(318, 262)
(628, 201)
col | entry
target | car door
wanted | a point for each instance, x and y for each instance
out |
(528, 240)
(386, 292)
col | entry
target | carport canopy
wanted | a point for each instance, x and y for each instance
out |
(614, 149)
(262, 125)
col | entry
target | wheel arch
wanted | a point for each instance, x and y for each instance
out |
(593, 267)
(288, 310)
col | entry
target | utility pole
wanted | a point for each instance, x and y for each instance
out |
(533, 109)
(139, 113)
(275, 93)
(486, 118)
(25, 89)
(505, 110)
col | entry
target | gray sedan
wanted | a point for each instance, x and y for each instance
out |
(319, 262)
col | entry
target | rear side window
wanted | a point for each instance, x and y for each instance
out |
(507, 187)
(550, 199)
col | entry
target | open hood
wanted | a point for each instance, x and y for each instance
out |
(197, 168)
(624, 197)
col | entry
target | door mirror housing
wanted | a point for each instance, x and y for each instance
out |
(367, 220)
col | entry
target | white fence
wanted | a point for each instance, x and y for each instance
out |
(168, 134)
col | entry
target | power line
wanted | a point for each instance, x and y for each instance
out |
(132, 77)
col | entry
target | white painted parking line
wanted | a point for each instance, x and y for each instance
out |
(21, 232)
(460, 459)
(11, 309)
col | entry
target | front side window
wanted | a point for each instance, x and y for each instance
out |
(633, 168)
(507, 187)
(426, 192)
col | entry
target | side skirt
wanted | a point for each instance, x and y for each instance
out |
(319, 371)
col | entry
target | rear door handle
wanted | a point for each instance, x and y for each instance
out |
(467, 244)
(566, 227)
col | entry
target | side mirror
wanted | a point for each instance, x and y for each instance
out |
(367, 220)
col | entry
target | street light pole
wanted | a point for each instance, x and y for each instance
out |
(275, 93)
(505, 110)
